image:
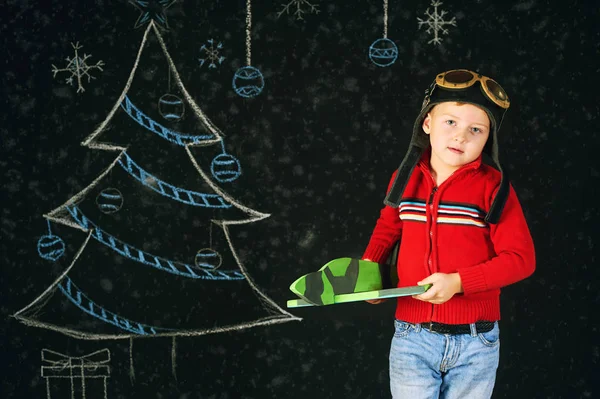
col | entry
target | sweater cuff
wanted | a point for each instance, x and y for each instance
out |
(376, 253)
(472, 279)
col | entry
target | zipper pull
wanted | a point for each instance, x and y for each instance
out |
(432, 194)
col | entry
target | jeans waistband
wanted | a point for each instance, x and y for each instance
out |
(455, 329)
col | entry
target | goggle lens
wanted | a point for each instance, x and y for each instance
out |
(495, 89)
(458, 77)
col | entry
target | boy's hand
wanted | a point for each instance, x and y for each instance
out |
(444, 286)
(375, 301)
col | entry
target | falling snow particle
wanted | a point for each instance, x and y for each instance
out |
(78, 68)
(435, 22)
(213, 54)
(296, 7)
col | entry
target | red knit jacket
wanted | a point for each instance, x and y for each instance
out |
(442, 229)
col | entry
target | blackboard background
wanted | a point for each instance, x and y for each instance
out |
(317, 146)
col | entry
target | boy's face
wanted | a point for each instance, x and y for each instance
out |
(457, 133)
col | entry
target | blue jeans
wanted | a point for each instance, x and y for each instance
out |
(427, 365)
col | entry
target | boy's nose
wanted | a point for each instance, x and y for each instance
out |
(460, 137)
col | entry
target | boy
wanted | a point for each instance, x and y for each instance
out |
(462, 229)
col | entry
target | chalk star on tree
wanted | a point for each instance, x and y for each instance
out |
(152, 10)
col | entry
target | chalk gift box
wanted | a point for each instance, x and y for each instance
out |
(84, 376)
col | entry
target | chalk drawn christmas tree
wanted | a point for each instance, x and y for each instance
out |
(149, 250)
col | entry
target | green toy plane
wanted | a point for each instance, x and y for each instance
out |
(349, 280)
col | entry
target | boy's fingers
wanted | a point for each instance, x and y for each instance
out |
(429, 279)
(427, 295)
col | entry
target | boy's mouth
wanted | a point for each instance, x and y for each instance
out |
(455, 150)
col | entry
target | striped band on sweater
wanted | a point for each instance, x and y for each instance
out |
(448, 212)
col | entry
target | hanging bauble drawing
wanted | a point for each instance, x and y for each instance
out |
(225, 168)
(110, 200)
(51, 247)
(171, 107)
(208, 258)
(248, 82)
(383, 52)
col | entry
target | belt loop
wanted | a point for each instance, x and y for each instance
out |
(417, 327)
(473, 329)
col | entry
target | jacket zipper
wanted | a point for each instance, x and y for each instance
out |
(430, 205)
(429, 262)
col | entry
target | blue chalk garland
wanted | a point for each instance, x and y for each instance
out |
(155, 127)
(168, 190)
(174, 267)
(77, 297)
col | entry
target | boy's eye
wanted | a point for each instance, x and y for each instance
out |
(450, 122)
(476, 130)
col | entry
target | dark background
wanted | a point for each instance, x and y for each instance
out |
(317, 146)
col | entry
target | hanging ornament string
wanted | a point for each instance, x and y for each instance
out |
(248, 28)
(383, 52)
(248, 81)
(385, 18)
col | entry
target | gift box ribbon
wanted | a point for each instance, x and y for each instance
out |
(92, 365)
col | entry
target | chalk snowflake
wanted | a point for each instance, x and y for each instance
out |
(299, 10)
(435, 22)
(213, 54)
(78, 68)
